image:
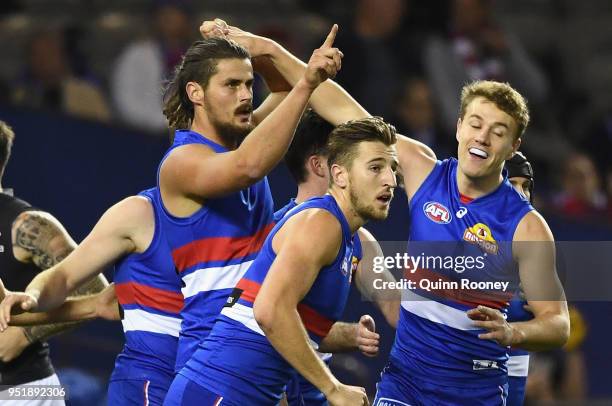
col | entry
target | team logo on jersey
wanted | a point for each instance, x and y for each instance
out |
(480, 234)
(437, 212)
(1, 246)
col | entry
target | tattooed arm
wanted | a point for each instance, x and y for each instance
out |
(39, 238)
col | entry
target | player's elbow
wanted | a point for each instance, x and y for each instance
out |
(563, 330)
(264, 313)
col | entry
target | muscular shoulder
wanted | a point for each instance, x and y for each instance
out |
(131, 212)
(533, 227)
(365, 236)
(184, 156)
(314, 231)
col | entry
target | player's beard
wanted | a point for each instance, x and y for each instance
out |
(230, 133)
(365, 211)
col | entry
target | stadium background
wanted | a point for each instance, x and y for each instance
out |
(78, 151)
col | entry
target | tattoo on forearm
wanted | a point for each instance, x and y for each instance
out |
(41, 333)
(35, 234)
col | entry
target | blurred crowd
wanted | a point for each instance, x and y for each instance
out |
(405, 60)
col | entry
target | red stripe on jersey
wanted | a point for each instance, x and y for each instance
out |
(219, 248)
(468, 297)
(249, 288)
(313, 321)
(132, 292)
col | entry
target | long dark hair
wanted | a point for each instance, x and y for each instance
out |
(197, 65)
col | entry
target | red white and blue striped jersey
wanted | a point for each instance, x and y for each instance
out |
(149, 292)
(236, 360)
(435, 340)
(214, 248)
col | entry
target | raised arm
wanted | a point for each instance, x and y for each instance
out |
(329, 100)
(187, 171)
(123, 229)
(300, 257)
(534, 249)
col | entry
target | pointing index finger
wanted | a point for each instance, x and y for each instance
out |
(329, 41)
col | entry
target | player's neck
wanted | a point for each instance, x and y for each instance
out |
(477, 187)
(204, 127)
(308, 190)
(354, 220)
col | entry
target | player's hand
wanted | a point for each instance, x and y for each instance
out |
(214, 28)
(15, 303)
(107, 306)
(499, 330)
(345, 395)
(368, 340)
(12, 343)
(325, 61)
(219, 28)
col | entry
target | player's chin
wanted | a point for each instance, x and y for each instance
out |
(380, 214)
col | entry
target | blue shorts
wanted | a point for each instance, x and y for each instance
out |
(136, 392)
(300, 392)
(184, 392)
(516, 390)
(396, 389)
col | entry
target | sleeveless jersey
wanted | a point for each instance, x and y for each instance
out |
(149, 292)
(33, 363)
(357, 249)
(468, 246)
(217, 245)
(236, 360)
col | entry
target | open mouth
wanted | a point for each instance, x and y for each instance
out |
(478, 153)
(244, 112)
(385, 198)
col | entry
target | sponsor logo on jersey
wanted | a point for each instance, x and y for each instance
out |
(480, 234)
(437, 212)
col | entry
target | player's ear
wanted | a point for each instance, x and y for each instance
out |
(458, 126)
(195, 93)
(515, 146)
(316, 165)
(339, 176)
